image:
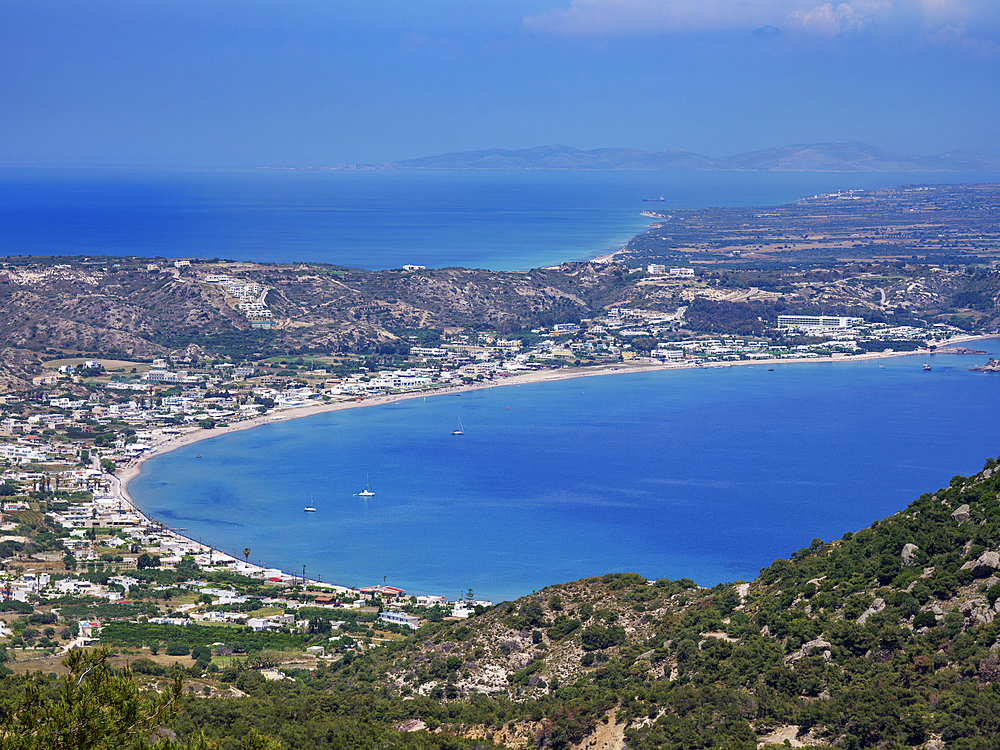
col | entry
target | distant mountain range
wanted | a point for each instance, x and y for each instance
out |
(841, 156)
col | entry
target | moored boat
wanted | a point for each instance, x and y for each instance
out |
(367, 491)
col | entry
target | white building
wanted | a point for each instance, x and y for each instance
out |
(401, 618)
(817, 321)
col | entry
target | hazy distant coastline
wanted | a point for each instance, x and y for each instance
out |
(840, 156)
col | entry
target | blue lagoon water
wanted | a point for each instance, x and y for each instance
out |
(708, 474)
(501, 220)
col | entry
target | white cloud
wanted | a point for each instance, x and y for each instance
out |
(955, 36)
(634, 17)
(625, 17)
(829, 21)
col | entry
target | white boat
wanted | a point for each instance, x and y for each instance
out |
(310, 508)
(367, 491)
(459, 431)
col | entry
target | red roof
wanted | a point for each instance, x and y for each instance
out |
(391, 590)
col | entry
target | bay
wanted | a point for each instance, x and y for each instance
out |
(500, 220)
(708, 474)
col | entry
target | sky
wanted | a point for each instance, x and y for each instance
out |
(217, 83)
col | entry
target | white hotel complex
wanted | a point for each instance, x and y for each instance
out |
(817, 321)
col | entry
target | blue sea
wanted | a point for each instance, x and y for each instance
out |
(500, 220)
(708, 474)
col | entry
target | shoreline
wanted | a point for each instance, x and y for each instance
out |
(134, 469)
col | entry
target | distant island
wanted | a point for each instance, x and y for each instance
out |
(840, 156)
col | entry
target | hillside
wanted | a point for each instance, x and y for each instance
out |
(133, 309)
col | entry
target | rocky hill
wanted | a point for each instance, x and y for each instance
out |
(343, 306)
(120, 307)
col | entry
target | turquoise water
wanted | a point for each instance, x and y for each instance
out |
(709, 474)
(502, 220)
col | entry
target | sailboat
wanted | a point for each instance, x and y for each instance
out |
(310, 508)
(459, 431)
(367, 491)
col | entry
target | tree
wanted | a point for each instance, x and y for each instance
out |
(100, 709)
(147, 561)
(246, 554)
(95, 708)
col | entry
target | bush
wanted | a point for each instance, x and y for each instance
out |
(147, 561)
(175, 648)
(599, 637)
(147, 666)
(924, 620)
(993, 593)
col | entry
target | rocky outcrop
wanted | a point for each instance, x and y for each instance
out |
(961, 513)
(807, 649)
(873, 609)
(985, 565)
(977, 612)
(909, 554)
(991, 366)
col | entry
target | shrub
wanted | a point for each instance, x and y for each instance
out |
(993, 593)
(599, 637)
(924, 620)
